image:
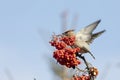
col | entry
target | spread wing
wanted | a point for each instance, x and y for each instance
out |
(95, 35)
(90, 28)
(85, 33)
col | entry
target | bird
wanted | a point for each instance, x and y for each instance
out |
(85, 37)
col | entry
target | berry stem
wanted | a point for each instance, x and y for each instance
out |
(87, 67)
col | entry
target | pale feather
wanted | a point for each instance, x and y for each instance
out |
(86, 32)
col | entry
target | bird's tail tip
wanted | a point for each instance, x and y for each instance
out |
(92, 55)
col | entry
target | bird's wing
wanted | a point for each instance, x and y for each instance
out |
(89, 29)
(86, 33)
(95, 35)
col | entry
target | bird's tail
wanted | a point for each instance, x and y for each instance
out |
(85, 49)
(91, 54)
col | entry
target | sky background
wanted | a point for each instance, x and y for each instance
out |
(27, 25)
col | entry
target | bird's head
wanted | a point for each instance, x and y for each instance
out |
(68, 33)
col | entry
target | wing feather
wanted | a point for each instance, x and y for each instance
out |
(90, 28)
(95, 35)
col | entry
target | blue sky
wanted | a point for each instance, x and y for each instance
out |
(27, 25)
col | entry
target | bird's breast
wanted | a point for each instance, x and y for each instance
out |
(83, 37)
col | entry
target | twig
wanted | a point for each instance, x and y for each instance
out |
(87, 67)
(80, 69)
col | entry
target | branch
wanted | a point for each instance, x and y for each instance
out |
(87, 67)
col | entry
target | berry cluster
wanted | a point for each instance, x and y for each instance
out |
(94, 71)
(82, 77)
(58, 45)
(68, 40)
(65, 55)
